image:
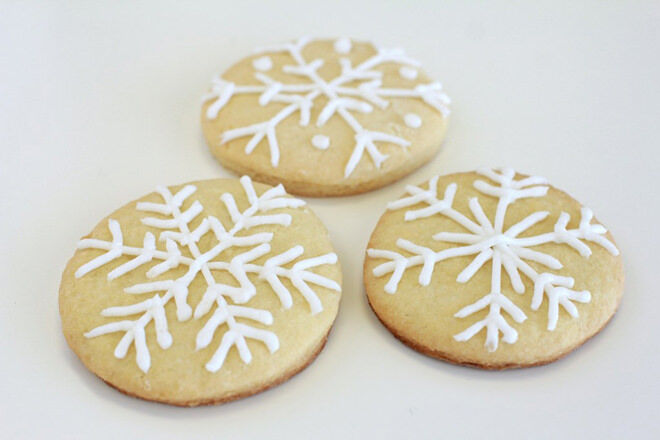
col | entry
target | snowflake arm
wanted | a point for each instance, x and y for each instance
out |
(152, 309)
(222, 91)
(272, 270)
(435, 206)
(427, 258)
(365, 141)
(237, 333)
(266, 130)
(115, 249)
(424, 255)
(586, 231)
(494, 322)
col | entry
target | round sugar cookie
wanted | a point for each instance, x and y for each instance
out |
(325, 117)
(202, 293)
(492, 269)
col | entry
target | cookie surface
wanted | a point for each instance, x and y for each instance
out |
(492, 269)
(325, 117)
(201, 293)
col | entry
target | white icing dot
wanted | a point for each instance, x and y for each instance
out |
(408, 72)
(343, 45)
(262, 63)
(412, 120)
(321, 141)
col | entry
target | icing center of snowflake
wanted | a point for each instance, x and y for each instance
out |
(495, 240)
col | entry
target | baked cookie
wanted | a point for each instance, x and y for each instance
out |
(202, 293)
(324, 117)
(471, 260)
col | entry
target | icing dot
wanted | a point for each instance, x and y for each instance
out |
(408, 72)
(343, 45)
(321, 141)
(412, 120)
(262, 63)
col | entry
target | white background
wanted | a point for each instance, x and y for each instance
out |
(99, 102)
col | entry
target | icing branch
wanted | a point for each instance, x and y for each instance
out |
(152, 309)
(273, 198)
(272, 271)
(116, 249)
(435, 206)
(364, 140)
(222, 91)
(505, 178)
(237, 333)
(427, 258)
(260, 131)
(433, 95)
(558, 291)
(557, 288)
(587, 231)
(399, 263)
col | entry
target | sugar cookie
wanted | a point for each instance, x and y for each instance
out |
(382, 117)
(492, 269)
(202, 293)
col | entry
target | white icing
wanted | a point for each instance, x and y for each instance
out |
(341, 100)
(320, 141)
(343, 45)
(489, 241)
(205, 263)
(412, 120)
(262, 64)
(408, 72)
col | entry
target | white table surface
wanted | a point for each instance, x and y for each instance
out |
(100, 102)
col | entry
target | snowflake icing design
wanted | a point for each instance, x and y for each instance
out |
(342, 99)
(504, 248)
(226, 298)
